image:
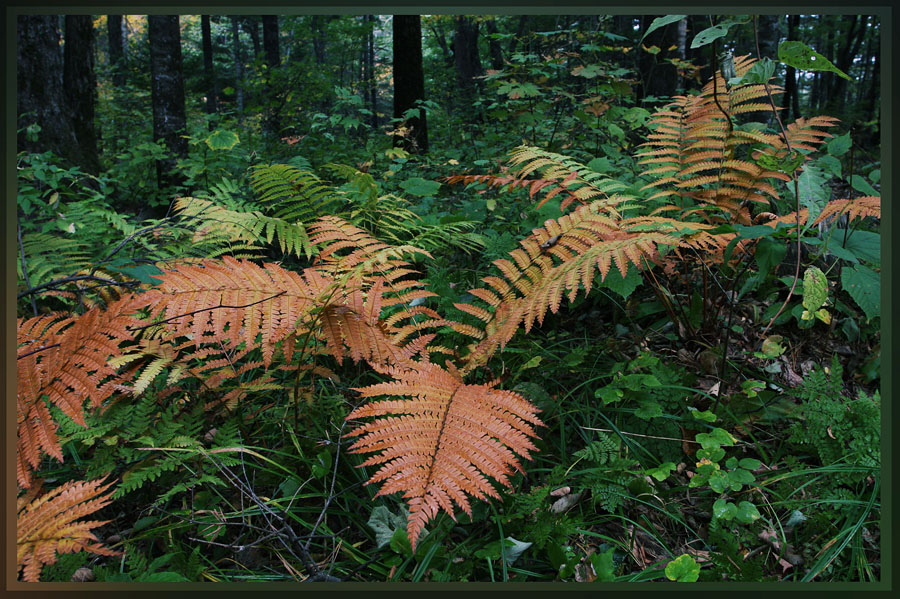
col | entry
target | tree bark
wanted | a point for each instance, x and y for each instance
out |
(658, 78)
(39, 88)
(209, 71)
(369, 61)
(116, 49)
(465, 53)
(791, 99)
(409, 80)
(238, 56)
(80, 84)
(494, 45)
(167, 94)
(273, 62)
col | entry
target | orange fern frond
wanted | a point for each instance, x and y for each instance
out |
(440, 446)
(47, 526)
(68, 366)
(856, 208)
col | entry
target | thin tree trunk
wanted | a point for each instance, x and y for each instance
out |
(465, 51)
(409, 80)
(369, 69)
(237, 53)
(80, 84)
(272, 49)
(116, 49)
(39, 88)
(212, 89)
(167, 94)
(494, 45)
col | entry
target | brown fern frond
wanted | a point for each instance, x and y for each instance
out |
(440, 446)
(68, 366)
(861, 207)
(48, 526)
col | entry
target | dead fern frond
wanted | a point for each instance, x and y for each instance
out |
(48, 525)
(439, 446)
(67, 366)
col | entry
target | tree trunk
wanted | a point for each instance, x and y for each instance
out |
(80, 84)
(769, 31)
(465, 52)
(237, 53)
(116, 49)
(272, 48)
(790, 101)
(658, 78)
(209, 72)
(318, 27)
(39, 88)
(251, 26)
(370, 83)
(270, 41)
(520, 31)
(494, 46)
(409, 80)
(167, 94)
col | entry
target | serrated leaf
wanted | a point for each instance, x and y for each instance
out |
(801, 56)
(838, 146)
(683, 568)
(860, 184)
(220, 139)
(864, 286)
(864, 245)
(815, 289)
(662, 22)
(385, 523)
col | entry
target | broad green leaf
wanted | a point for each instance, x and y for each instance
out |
(838, 146)
(814, 191)
(385, 523)
(661, 22)
(662, 471)
(801, 56)
(420, 187)
(710, 34)
(815, 289)
(771, 346)
(532, 362)
(746, 512)
(704, 416)
(760, 72)
(724, 510)
(864, 286)
(830, 165)
(684, 568)
(604, 565)
(220, 139)
(749, 463)
(865, 245)
(623, 286)
(862, 186)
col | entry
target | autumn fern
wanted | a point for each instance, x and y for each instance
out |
(52, 524)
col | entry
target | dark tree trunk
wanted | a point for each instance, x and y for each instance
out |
(273, 62)
(209, 71)
(520, 31)
(409, 80)
(167, 94)
(875, 89)
(270, 41)
(39, 88)
(658, 78)
(369, 61)
(116, 48)
(465, 52)
(849, 48)
(769, 30)
(831, 22)
(790, 102)
(80, 84)
(237, 53)
(251, 26)
(438, 31)
(494, 46)
(318, 26)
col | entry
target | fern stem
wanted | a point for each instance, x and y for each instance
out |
(22, 257)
